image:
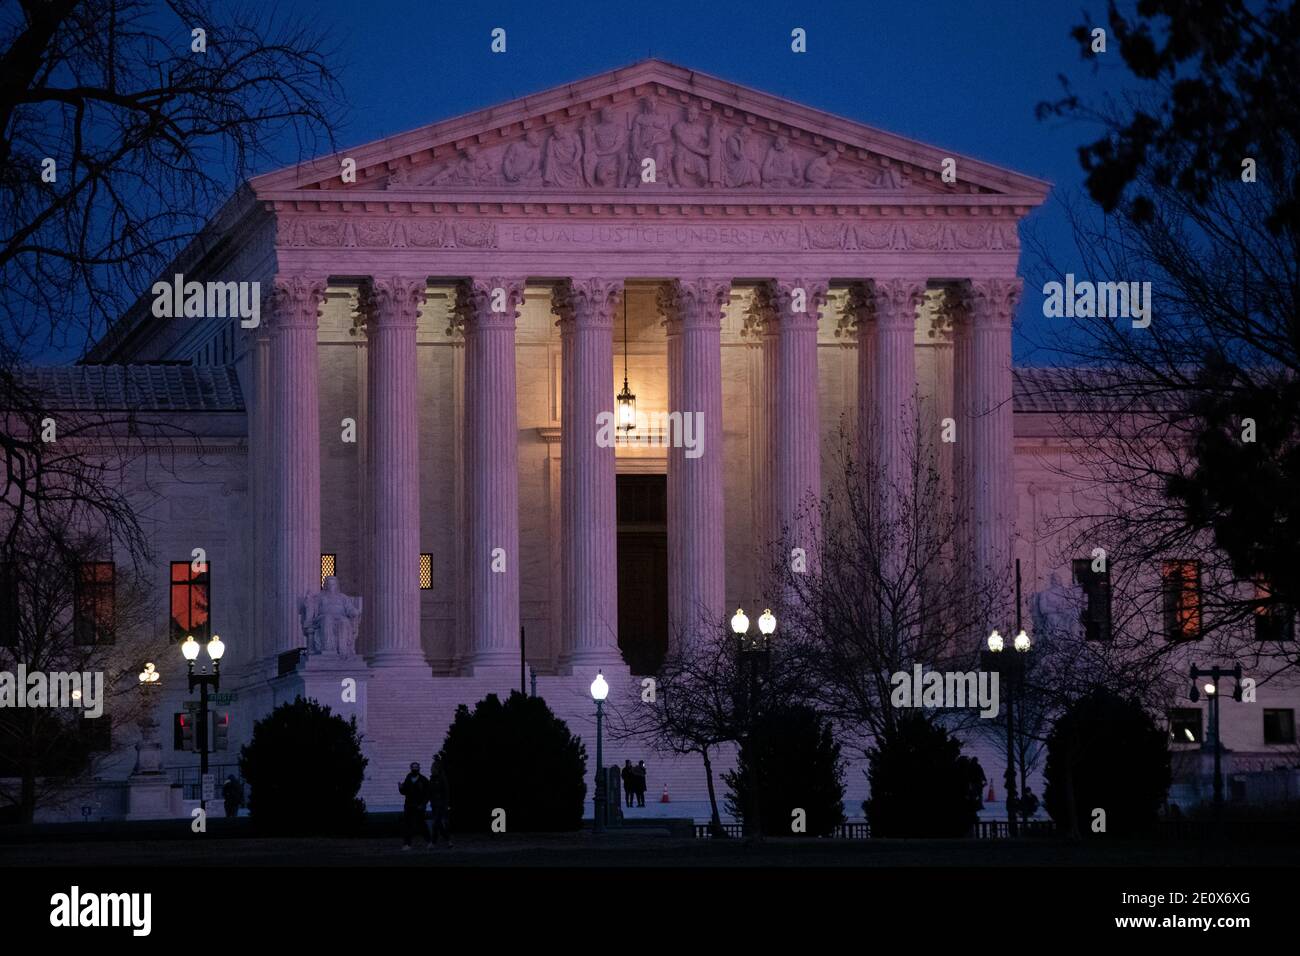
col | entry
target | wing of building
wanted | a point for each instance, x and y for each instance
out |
(398, 366)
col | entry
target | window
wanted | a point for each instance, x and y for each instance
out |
(1096, 593)
(1185, 725)
(1273, 621)
(1182, 600)
(8, 604)
(426, 572)
(328, 566)
(1279, 726)
(191, 600)
(93, 615)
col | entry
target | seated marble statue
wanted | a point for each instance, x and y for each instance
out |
(330, 620)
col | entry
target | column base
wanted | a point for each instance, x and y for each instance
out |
(606, 660)
(414, 660)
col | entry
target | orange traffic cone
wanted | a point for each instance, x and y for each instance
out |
(664, 798)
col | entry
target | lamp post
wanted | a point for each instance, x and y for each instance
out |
(1010, 668)
(203, 680)
(753, 653)
(599, 691)
(1216, 674)
(148, 752)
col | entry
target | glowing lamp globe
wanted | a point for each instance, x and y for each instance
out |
(767, 622)
(739, 622)
(1022, 642)
(190, 649)
(995, 642)
(1210, 690)
(216, 649)
(599, 687)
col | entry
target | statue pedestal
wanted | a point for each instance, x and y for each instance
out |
(334, 681)
(149, 797)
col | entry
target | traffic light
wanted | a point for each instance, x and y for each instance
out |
(184, 732)
(221, 732)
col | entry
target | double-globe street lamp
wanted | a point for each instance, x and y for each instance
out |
(753, 653)
(203, 680)
(1010, 669)
(1216, 674)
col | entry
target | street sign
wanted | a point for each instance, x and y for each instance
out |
(209, 786)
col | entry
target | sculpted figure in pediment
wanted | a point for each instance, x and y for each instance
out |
(698, 157)
(652, 138)
(781, 167)
(562, 163)
(605, 150)
(741, 170)
(470, 168)
(523, 160)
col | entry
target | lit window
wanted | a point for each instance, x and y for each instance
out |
(328, 567)
(426, 572)
(1182, 600)
(191, 600)
(1185, 725)
(1273, 621)
(94, 610)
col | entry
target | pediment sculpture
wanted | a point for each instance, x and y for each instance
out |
(608, 149)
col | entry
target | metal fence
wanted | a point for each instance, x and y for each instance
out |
(191, 781)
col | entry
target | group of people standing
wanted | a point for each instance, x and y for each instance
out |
(419, 792)
(634, 783)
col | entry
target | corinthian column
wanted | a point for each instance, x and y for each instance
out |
(994, 302)
(798, 422)
(395, 468)
(492, 447)
(695, 506)
(295, 442)
(894, 391)
(589, 543)
(861, 309)
(957, 303)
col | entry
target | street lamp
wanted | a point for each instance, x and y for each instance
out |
(753, 654)
(148, 752)
(1011, 668)
(203, 680)
(1216, 674)
(599, 691)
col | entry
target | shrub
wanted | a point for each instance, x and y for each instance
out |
(517, 756)
(1117, 759)
(799, 766)
(921, 785)
(304, 769)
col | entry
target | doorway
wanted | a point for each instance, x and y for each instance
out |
(643, 571)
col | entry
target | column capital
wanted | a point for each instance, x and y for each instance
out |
(393, 301)
(588, 302)
(994, 301)
(694, 302)
(896, 300)
(798, 301)
(296, 300)
(493, 300)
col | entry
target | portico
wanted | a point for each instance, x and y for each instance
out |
(807, 224)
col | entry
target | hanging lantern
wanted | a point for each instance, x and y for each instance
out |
(626, 400)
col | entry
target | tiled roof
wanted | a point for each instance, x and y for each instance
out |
(155, 388)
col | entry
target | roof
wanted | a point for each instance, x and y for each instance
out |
(1087, 390)
(153, 388)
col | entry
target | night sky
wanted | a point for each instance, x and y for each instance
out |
(957, 74)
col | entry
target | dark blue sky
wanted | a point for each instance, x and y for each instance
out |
(961, 74)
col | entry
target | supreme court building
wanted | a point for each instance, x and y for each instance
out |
(447, 315)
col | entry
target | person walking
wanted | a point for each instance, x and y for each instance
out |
(629, 782)
(233, 794)
(415, 790)
(440, 800)
(639, 775)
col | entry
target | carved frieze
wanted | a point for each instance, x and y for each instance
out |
(649, 143)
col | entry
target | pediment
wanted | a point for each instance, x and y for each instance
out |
(650, 132)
